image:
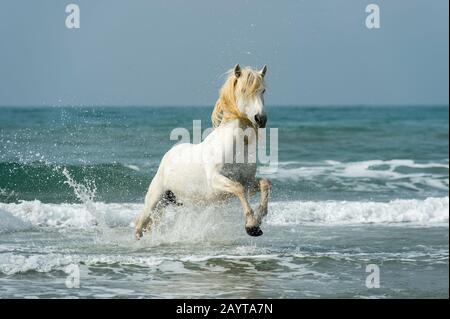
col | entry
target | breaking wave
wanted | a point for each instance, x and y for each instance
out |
(400, 172)
(32, 214)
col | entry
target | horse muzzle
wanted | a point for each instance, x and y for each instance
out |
(261, 120)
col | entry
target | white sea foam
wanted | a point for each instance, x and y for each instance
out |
(11, 263)
(429, 211)
(182, 223)
(389, 171)
(16, 262)
(11, 223)
(133, 167)
(40, 214)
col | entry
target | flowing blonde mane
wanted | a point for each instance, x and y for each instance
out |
(226, 109)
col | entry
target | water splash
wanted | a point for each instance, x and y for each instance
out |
(216, 223)
(86, 194)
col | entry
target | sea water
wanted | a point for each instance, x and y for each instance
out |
(355, 188)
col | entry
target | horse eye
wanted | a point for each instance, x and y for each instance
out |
(263, 91)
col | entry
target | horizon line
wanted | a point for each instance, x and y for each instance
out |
(204, 105)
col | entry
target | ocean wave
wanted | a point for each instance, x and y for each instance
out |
(72, 182)
(11, 263)
(115, 182)
(369, 175)
(11, 223)
(427, 212)
(22, 216)
(82, 216)
(390, 169)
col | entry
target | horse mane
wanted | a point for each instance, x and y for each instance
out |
(226, 109)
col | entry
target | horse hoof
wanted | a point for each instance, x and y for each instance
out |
(254, 231)
(138, 235)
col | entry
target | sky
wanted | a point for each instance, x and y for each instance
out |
(159, 52)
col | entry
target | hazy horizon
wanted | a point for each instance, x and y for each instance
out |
(211, 106)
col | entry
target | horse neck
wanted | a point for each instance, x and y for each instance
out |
(230, 132)
(234, 124)
(237, 116)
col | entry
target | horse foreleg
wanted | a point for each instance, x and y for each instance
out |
(263, 185)
(224, 184)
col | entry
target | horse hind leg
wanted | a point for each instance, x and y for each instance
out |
(146, 219)
(169, 198)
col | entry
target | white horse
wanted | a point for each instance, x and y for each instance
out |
(237, 115)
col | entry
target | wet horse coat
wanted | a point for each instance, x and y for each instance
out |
(217, 168)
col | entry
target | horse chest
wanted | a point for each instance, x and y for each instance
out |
(242, 173)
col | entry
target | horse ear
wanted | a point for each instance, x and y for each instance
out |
(237, 70)
(263, 70)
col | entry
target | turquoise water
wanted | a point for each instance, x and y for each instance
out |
(354, 186)
(120, 148)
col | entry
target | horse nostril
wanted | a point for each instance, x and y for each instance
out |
(260, 120)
